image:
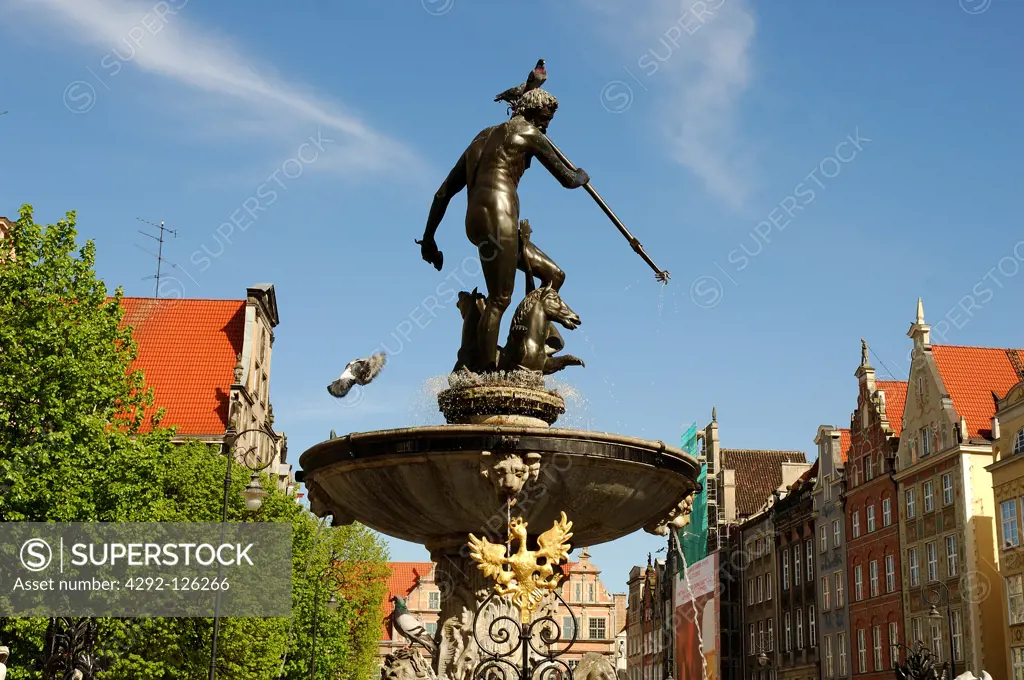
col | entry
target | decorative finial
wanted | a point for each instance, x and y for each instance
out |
(864, 352)
(334, 435)
(920, 311)
(714, 414)
(270, 415)
(239, 369)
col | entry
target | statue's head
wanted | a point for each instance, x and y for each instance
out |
(537, 106)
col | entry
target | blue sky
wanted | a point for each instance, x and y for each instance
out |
(804, 170)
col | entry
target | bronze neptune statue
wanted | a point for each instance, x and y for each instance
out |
(490, 170)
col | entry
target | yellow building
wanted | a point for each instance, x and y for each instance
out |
(946, 504)
(1008, 485)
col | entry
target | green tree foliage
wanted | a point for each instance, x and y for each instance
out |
(73, 449)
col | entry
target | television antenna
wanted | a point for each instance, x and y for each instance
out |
(159, 255)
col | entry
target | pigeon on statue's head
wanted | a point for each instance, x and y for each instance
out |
(358, 372)
(411, 627)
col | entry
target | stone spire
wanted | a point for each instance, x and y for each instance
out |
(920, 332)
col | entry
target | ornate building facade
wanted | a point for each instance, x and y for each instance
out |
(759, 593)
(872, 585)
(793, 517)
(1008, 484)
(947, 527)
(830, 549)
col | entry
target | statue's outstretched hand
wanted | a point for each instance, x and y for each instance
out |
(430, 253)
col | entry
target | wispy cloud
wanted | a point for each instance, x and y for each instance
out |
(694, 58)
(160, 38)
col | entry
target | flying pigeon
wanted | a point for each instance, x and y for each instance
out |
(358, 372)
(410, 627)
(536, 78)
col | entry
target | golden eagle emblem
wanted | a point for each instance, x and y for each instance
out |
(526, 575)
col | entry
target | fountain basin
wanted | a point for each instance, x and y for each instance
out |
(435, 485)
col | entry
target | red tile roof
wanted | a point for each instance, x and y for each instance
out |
(895, 401)
(845, 442)
(758, 474)
(404, 577)
(188, 350)
(971, 375)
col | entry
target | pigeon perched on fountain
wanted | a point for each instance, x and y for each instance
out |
(536, 78)
(411, 627)
(358, 372)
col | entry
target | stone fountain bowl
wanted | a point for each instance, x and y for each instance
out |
(435, 485)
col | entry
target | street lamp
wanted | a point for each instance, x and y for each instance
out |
(252, 458)
(933, 613)
(334, 573)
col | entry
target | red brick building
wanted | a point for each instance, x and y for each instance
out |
(874, 583)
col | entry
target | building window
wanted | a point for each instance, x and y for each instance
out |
(829, 667)
(826, 603)
(862, 651)
(1018, 442)
(1008, 515)
(569, 631)
(933, 561)
(591, 590)
(886, 512)
(873, 576)
(809, 549)
(871, 518)
(1017, 653)
(911, 503)
(926, 441)
(431, 628)
(947, 489)
(1015, 598)
(951, 556)
(823, 538)
(812, 628)
(936, 641)
(796, 564)
(915, 568)
(890, 573)
(750, 591)
(869, 467)
(434, 600)
(760, 589)
(785, 570)
(876, 643)
(799, 628)
(856, 523)
(915, 626)
(828, 487)
(768, 585)
(858, 583)
(789, 634)
(957, 632)
(840, 579)
(753, 640)
(579, 592)
(597, 631)
(835, 533)
(894, 647)
(841, 651)
(929, 498)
